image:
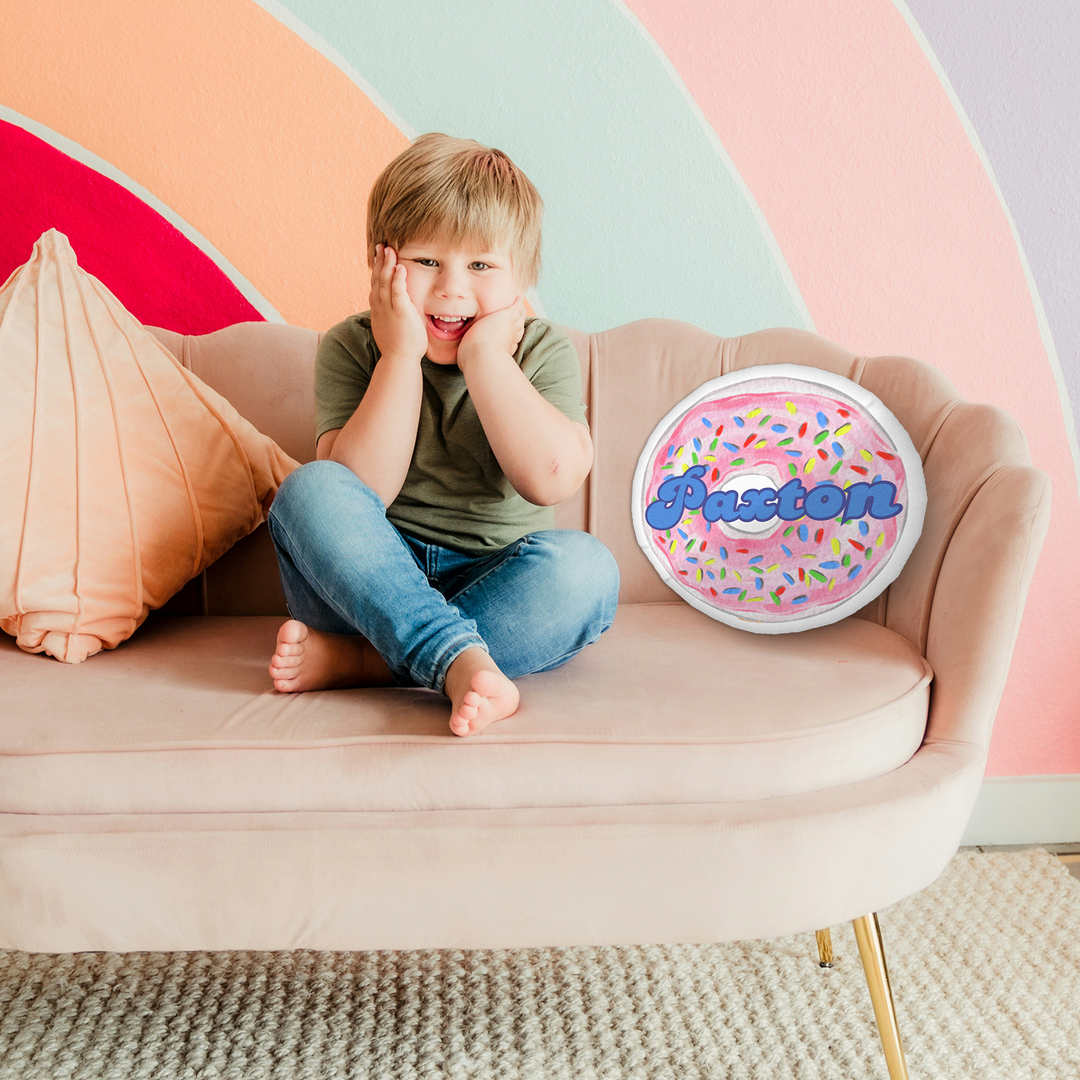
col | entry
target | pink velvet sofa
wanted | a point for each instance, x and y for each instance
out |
(679, 781)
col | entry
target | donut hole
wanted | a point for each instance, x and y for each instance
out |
(757, 476)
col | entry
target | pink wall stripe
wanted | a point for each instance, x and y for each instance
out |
(894, 234)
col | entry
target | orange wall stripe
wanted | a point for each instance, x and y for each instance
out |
(244, 130)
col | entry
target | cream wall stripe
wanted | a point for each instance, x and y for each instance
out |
(99, 165)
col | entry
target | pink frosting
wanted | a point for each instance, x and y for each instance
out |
(795, 568)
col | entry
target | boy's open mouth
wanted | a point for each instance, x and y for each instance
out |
(449, 328)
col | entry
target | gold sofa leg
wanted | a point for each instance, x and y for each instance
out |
(824, 948)
(872, 951)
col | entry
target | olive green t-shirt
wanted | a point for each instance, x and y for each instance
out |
(455, 493)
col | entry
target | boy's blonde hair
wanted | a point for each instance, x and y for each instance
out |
(459, 191)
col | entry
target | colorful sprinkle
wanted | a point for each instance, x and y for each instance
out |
(757, 583)
(835, 469)
(792, 469)
(770, 569)
(837, 449)
(814, 574)
(869, 553)
(846, 560)
(887, 457)
(761, 445)
(698, 574)
(830, 565)
(739, 420)
(835, 545)
(818, 535)
(690, 545)
(823, 455)
(756, 559)
(742, 595)
(739, 461)
(764, 420)
(712, 590)
(785, 442)
(844, 413)
(800, 599)
(785, 549)
(867, 455)
(706, 422)
(803, 533)
(802, 430)
(788, 531)
(790, 407)
(859, 469)
(697, 444)
(855, 544)
(756, 600)
(749, 440)
(723, 573)
(742, 551)
(843, 429)
(793, 453)
(723, 553)
(821, 436)
(753, 412)
(731, 446)
(809, 466)
(776, 599)
(790, 580)
(880, 540)
(779, 428)
(682, 534)
(670, 450)
(712, 445)
(864, 528)
(854, 572)
(802, 574)
(781, 589)
(731, 592)
(822, 419)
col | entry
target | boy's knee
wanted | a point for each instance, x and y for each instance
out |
(588, 570)
(315, 488)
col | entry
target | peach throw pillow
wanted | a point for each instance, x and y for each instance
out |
(122, 475)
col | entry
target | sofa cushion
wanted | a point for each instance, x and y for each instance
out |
(123, 475)
(668, 706)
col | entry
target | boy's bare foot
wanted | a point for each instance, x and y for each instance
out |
(307, 659)
(479, 691)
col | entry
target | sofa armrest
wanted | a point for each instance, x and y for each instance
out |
(979, 599)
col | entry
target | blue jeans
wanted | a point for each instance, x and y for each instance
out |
(346, 570)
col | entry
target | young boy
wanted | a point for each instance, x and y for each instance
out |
(419, 549)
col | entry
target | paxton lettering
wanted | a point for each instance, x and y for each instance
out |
(677, 494)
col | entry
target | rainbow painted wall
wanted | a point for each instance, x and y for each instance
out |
(895, 177)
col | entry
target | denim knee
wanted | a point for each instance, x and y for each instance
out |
(315, 488)
(587, 572)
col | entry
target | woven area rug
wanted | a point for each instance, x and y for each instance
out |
(985, 965)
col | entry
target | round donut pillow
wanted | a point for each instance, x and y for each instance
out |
(779, 498)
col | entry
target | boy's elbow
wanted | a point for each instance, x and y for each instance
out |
(564, 475)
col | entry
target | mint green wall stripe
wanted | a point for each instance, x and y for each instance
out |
(645, 215)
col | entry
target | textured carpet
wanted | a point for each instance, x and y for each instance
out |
(985, 965)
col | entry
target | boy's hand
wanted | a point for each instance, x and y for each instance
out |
(396, 325)
(502, 329)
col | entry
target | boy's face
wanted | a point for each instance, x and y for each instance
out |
(452, 285)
